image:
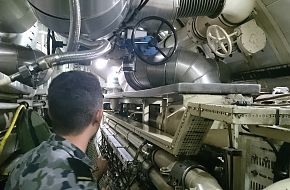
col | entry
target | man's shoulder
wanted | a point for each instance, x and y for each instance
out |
(45, 154)
(49, 165)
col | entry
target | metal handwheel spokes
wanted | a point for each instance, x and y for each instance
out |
(150, 48)
(219, 41)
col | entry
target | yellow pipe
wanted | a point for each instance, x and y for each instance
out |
(8, 132)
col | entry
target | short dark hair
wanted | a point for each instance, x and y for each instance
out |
(73, 99)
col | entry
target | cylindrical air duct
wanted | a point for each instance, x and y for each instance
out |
(185, 66)
(99, 17)
(15, 16)
(173, 9)
(211, 8)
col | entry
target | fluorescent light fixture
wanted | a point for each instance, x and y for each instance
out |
(101, 63)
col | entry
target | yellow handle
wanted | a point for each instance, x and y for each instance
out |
(8, 132)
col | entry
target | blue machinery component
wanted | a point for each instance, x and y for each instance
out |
(147, 45)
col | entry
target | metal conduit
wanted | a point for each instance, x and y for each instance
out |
(172, 9)
(211, 8)
(75, 25)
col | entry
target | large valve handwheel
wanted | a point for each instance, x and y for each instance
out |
(219, 41)
(150, 48)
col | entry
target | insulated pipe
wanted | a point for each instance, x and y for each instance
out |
(194, 178)
(99, 17)
(233, 11)
(280, 185)
(236, 11)
(173, 9)
(185, 66)
(75, 25)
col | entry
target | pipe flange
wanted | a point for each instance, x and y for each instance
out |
(180, 170)
(192, 33)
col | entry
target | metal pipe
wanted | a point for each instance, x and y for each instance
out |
(163, 159)
(128, 135)
(158, 180)
(194, 178)
(283, 184)
(75, 25)
(4, 79)
(236, 11)
(201, 180)
(173, 9)
(8, 106)
(185, 66)
(154, 175)
(88, 43)
(71, 57)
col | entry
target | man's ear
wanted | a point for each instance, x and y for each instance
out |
(98, 117)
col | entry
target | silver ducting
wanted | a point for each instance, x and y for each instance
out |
(172, 9)
(185, 66)
(15, 16)
(194, 178)
(211, 8)
(47, 62)
(99, 18)
(72, 57)
(14, 56)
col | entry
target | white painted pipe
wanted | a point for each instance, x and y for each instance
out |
(236, 11)
(280, 185)
(4, 79)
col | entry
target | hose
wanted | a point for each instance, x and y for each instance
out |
(8, 132)
(72, 57)
(88, 43)
(75, 25)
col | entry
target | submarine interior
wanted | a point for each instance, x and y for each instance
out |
(196, 92)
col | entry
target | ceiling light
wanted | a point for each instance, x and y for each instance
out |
(101, 63)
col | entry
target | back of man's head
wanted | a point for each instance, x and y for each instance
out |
(73, 99)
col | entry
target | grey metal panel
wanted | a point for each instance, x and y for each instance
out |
(193, 88)
(278, 10)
